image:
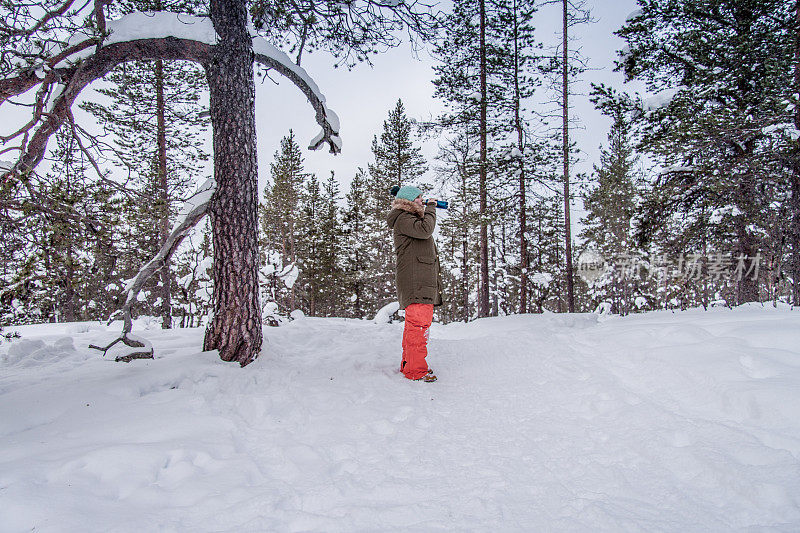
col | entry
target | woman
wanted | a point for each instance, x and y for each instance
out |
(419, 288)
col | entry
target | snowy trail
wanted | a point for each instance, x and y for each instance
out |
(657, 422)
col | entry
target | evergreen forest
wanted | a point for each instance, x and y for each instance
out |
(695, 199)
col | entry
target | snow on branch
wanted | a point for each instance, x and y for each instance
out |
(60, 88)
(661, 99)
(85, 42)
(146, 25)
(272, 57)
(787, 129)
(677, 168)
(193, 211)
(90, 54)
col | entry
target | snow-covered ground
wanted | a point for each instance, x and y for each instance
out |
(658, 422)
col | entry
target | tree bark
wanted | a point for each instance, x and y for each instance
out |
(69, 286)
(163, 193)
(236, 327)
(483, 300)
(495, 275)
(465, 277)
(523, 222)
(746, 287)
(795, 174)
(567, 222)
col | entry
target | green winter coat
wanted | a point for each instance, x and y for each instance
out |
(417, 259)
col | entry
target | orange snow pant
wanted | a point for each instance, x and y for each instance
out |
(415, 340)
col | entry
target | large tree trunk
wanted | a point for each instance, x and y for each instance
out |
(465, 276)
(163, 194)
(794, 232)
(236, 327)
(483, 299)
(567, 222)
(748, 250)
(795, 176)
(69, 287)
(523, 221)
(293, 259)
(747, 286)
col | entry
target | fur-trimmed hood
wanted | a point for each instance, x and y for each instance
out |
(409, 206)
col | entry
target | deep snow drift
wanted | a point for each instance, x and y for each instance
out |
(659, 422)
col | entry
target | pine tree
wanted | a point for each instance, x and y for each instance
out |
(397, 162)
(489, 68)
(607, 229)
(727, 67)
(64, 261)
(459, 242)
(463, 82)
(330, 251)
(18, 245)
(15, 247)
(516, 59)
(565, 63)
(355, 250)
(565, 143)
(105, 279)
(279, 213)
(310, 245)
(158, 140)
(545, 238)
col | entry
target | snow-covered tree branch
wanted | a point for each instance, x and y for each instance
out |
(195, 209)
(52, 50)
(63, 76)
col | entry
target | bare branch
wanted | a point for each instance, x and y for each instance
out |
(157, 263)
(34, 204)
(50, 15)
(99, 17)
(132, 342)
(294, 73)
(96, 66)
(84, 151)
(135, 286)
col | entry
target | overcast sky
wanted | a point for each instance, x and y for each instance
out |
(363, 96)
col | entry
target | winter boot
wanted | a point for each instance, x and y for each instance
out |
(430, 377)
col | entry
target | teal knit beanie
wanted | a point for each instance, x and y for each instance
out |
(409, 193)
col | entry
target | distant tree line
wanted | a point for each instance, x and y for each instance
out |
(695, 200)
